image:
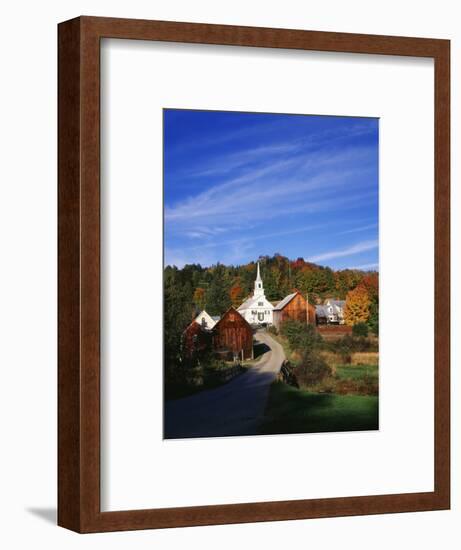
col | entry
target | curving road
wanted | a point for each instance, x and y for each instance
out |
(236, 408)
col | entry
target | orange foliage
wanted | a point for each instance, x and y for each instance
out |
(371, 283)
(357, 308)
(236, 295)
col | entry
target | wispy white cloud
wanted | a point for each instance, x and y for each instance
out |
(252, 236)
(231, 162)
(359, 229)
(273, 189)
(228, 200)
(343, 252)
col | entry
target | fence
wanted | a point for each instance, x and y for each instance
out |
(226, 374)
(287, 375)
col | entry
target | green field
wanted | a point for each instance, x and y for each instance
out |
(357, 372)
(290, 410)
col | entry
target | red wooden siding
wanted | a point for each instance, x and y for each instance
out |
(233, 333)
(297, 309)
(311, 314)
(195, 339)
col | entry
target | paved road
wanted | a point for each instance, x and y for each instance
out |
(236, 408)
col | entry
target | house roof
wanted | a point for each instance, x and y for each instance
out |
(320, 310)
(285, 301)
(252, 302)
(337, 303)
(246, 304)
(210, 319)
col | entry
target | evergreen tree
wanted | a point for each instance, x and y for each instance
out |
(218, 297)
(178, 313)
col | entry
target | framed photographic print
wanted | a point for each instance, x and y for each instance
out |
(253, 274)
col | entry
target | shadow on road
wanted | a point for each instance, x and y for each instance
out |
(231, 410)
(260, 348)
(236, 408)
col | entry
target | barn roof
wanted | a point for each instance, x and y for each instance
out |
(232, 309)
(193, 325)
(320, 310)
(285, 301)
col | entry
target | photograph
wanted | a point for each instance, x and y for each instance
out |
(271, 273)
(215, 207)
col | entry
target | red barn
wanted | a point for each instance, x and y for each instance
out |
(294, 307)
(195, 339)
(234, 334)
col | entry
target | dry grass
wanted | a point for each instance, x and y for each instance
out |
(357, 358)
(330, 357)
(365, 358)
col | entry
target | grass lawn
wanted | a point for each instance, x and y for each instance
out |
(357, 372)
(290, 410)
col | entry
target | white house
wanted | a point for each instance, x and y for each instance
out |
(334, 310)
(206, 321)
(257, 310)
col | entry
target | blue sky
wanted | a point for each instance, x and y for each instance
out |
(241, 185)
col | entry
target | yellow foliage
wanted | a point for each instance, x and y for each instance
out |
(357, 308)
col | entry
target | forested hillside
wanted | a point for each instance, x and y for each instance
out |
(216, 288)
(219, 286)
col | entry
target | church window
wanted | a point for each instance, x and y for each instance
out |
(260, 303)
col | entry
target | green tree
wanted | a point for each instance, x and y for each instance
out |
(373, 319)
(218, 296)
(360, 329)
(300, 336)
(178, 313)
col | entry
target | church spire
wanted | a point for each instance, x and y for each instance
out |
(258, 276)
(259, 289)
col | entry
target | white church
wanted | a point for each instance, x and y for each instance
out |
(257, 310)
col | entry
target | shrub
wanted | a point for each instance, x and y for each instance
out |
(360, 329)
(272, 330)
(300, 336)
(374, 327)
(312, 370)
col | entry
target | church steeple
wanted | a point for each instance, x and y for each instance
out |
(259, 289)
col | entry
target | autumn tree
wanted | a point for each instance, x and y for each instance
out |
(345, 280)
(371, 283)
(357, 308)
(199, 297)
(236, 294)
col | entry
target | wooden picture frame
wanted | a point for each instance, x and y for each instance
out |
(79, 274)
